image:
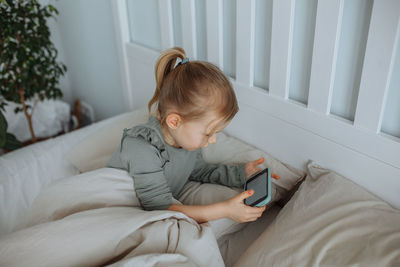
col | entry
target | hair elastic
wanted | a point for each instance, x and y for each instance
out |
(185, 60)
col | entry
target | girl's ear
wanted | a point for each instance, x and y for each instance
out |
(173, 121)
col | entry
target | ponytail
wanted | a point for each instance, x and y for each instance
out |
(191, 89)
(165, 64)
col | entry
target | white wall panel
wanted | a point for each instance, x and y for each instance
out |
(229, 37)
(378, 64)
(281, 47)
(166, 24)
(201, 35)
(143, 30)
(262, 43)
(245, 41)
(302, 48)
(353, 38)
(214, 17)
(177, 22)
(326, 42)
(189, 38)
(391, 116)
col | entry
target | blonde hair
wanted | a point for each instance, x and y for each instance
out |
(191, 89)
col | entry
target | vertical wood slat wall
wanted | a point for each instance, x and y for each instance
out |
(214, 31)
(327, 32)
(383, 35)
(281, 47)
(166, 24)
(378, 57)
(188, 20)
(378, 64)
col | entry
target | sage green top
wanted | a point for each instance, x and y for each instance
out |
(160, 171)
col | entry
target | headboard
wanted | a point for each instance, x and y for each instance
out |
(315, 80)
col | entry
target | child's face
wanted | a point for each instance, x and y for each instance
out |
(192, 135)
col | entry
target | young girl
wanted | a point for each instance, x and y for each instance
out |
(194, 101)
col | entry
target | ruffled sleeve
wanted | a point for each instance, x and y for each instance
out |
(143, 154)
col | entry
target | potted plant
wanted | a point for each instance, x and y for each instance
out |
(29, 70)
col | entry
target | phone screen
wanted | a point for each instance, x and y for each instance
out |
(259, 183)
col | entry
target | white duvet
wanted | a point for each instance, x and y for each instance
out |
(95, 219)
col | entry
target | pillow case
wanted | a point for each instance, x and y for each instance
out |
(94, 151)
(330, 221)
(230, 150)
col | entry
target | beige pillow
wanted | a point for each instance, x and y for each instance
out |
(230, 150)
(330, 221)
(94, 151)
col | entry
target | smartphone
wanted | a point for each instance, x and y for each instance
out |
(260, 182)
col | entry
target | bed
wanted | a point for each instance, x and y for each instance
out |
(336, 204)
(64, 208)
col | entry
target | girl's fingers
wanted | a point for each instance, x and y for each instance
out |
(259, 161)
(256, 162)
(245, 194)
(256, 210)
(275, 176)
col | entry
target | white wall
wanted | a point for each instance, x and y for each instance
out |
(353, 30)
(65, 85)
(85, 38)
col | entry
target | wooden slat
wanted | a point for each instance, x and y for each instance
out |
(189, 28)
(295, 146)
(281, 47)
(121, 24)
(214, 32)
(166, 24)
(245, 28)
(342, 132)
(378, 64)
(141, 62)
(326, 42)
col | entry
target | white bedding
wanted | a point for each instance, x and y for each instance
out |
(95, 219)
(50, 216)
(27, 173)
(24, 172)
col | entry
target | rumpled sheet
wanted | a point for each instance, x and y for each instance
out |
(95, 219)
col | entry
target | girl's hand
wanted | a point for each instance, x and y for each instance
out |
(251, 167)
(240, 212)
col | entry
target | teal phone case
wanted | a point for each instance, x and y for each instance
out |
(264, 201)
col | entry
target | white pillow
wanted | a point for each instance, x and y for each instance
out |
(330, 221)
(95, 150)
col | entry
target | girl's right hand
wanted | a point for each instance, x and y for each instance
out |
(240, 212)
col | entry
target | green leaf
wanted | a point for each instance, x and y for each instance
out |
(12, 142)
(18, 109)
(3, 130)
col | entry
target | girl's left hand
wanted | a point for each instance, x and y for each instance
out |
(251, 167)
